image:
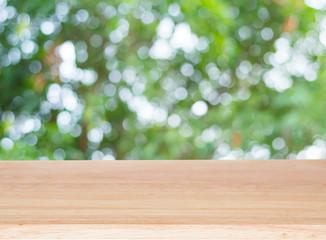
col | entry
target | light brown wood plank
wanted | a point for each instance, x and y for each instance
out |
(202, 197)
(156, 231)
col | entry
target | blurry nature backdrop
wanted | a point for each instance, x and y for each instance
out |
(200, 79)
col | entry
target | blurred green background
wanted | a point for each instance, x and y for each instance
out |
(210, 79)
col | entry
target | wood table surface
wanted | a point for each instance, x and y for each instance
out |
(195, 199)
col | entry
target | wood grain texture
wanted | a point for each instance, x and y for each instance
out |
(158, 231)
(279, 196)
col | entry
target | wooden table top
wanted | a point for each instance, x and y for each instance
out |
(280, 199)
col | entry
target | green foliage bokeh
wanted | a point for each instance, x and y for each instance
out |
(257, 66)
